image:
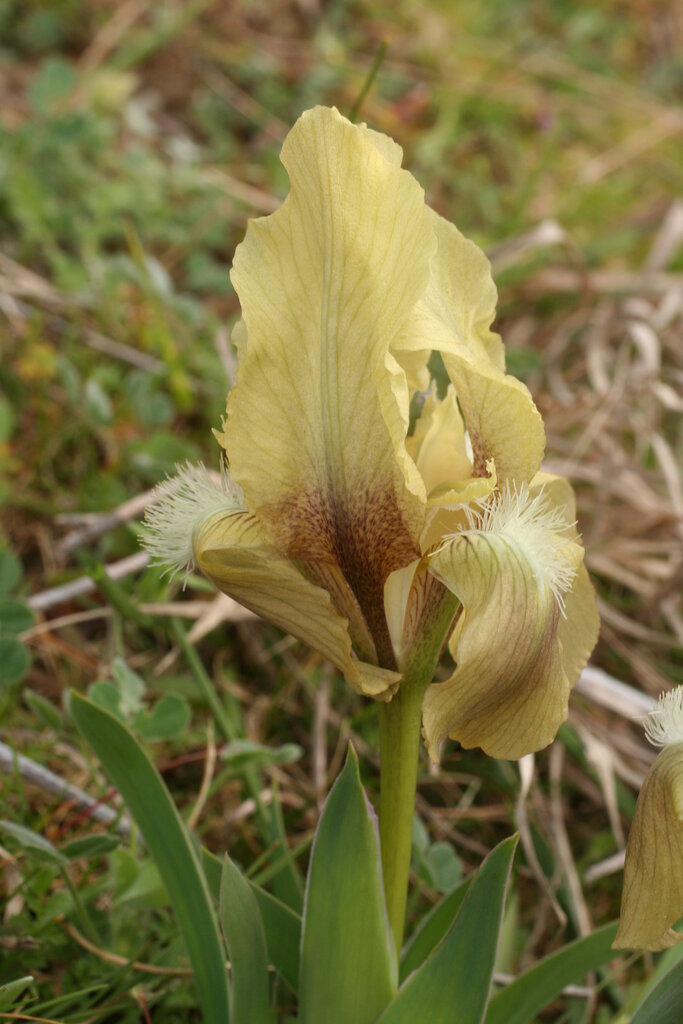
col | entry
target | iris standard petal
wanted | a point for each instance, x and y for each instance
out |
(314, 432)
(455, 313)
(511, 571)
(438, 445)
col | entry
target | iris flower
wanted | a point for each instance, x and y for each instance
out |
(371, 539)
(652, 898)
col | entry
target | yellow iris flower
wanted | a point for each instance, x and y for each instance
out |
(652, 898)
(369, 543)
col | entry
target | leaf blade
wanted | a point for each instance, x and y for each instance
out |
(459, 973)
(150, 804)
(348, 967)
(663, 1004)
(244, 934)
(522, 1000)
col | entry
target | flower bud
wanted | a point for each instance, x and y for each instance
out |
(652, 900)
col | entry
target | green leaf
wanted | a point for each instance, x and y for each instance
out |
(169, 717)
(145, 888)
(246, 941)
(131, 686)
(286, 881)
(10, 571)
(456, 980)
(282, 925)
(663, 1004)
(90, 846)
(15, 661)
(32, 842)
(283, 935)
(15, 617)
(441, 866)
(167, 840)
(11, 991)
(106, 696)
(432, 929)
(44, 709)
(348, 968)
(522, 1000)
(240, 753)
(53, 83)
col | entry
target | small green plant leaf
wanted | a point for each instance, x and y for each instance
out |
(244, 934)
(240, 753)
(10, 571)
(15, 660)
(432, 929)
(167, 719)
(32, 842)
(12, 991)
(663, 1004)
(522, 1000)
(440, 867)
(131, 686)
(90, 846)
(167, 840)
(107, 697)
(455, 981)
(15, 617)
(44, 709)
(348, 968)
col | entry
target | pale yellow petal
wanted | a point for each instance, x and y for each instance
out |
(238, 336)
(427, 610)
(652, 898)
(509, 692)
(455, 314)
(232, 551)
(579, 628)
(415, 366)
(438, 444)
(314, 431)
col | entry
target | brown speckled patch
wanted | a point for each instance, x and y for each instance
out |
(365, 535)
(479, 455)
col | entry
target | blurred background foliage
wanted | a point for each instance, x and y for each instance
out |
(136, 138)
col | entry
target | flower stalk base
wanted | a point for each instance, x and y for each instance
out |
(399, 730)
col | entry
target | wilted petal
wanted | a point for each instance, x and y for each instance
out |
(314, 431)
(511, 571)
(652, 898)
(455, 314)
(194, 520)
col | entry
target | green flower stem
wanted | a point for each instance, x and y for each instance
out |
(399, 736)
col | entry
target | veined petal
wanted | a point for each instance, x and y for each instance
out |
(511, 570)
(420, 612)
(579, 627)
(313, 432)
(455, 314)
(192, 519)
(652, 898)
